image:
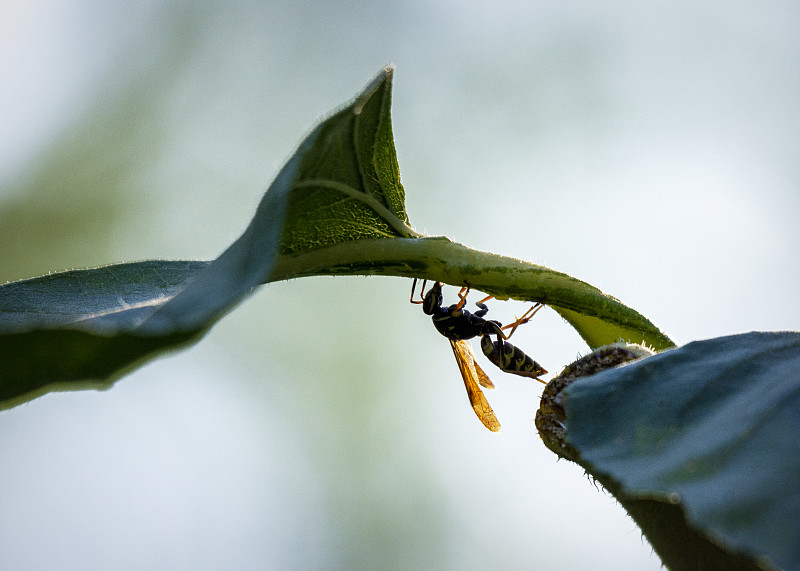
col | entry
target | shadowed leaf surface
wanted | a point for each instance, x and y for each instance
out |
(715, 425)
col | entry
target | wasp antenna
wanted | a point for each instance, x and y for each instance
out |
(421, 293)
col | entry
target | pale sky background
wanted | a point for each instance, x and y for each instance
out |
(651, 149)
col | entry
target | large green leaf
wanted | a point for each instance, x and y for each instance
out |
(336, 207)
(711, 429)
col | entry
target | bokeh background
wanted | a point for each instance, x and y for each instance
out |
(649, 148)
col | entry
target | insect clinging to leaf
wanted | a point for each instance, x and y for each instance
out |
(458, 325)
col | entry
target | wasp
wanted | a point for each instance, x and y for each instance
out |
(458, 325)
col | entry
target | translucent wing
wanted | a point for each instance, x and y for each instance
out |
(472, 375)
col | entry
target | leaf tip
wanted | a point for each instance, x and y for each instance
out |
(383, 80)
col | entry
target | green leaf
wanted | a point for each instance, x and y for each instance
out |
(336, 207)
(711, 428)
(350, 189)
(92, 325)
(599, 318)
(80, 326)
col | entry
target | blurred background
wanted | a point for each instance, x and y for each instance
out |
(651, 149)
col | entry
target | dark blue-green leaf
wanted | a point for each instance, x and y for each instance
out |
(715, 425)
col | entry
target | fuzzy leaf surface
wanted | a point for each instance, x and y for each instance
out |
(714, 425)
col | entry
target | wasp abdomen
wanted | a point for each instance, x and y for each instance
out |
(510, 358)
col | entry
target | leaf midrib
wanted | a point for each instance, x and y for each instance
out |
(367, 199)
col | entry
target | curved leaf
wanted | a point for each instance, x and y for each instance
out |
(599, 318)
(125, 317)
(712, 427)
(336, 207)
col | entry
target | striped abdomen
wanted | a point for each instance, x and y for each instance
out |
(512, 359)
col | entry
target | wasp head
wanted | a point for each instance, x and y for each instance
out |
(433, 299)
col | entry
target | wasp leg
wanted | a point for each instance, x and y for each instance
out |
(527, 316)
(462, 299)
(421, 293)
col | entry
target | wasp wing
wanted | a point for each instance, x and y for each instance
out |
(472, 375)
(469, 357)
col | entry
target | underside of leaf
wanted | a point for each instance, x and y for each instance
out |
(711, 428)
(336, 207)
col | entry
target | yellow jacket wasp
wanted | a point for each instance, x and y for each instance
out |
(458, 325)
